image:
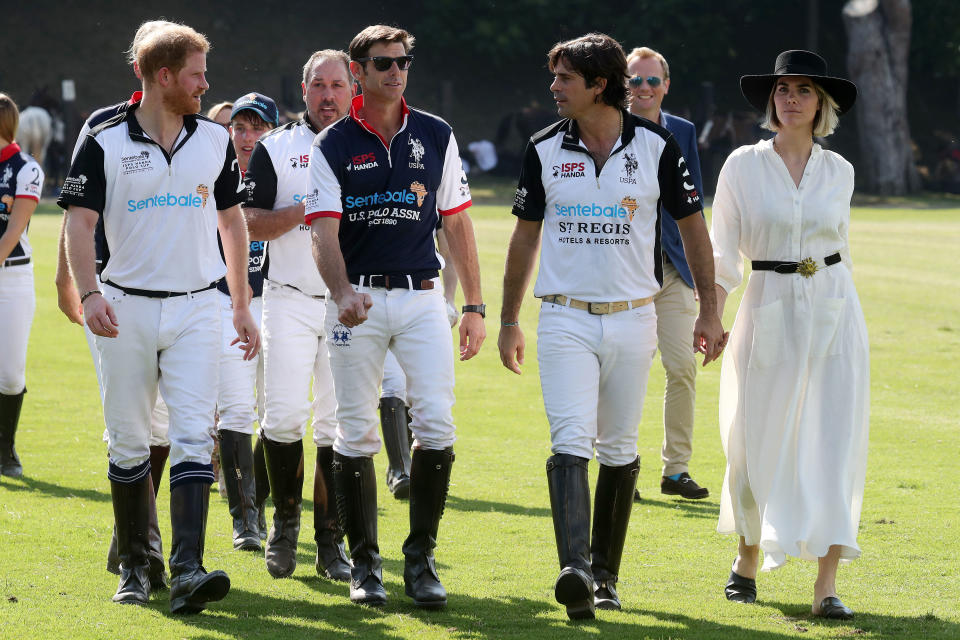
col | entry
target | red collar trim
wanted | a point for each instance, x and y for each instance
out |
(135, 97)
(357, 103)
(9, 151)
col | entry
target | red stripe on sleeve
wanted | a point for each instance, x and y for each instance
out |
(450, 212)
(310, 217)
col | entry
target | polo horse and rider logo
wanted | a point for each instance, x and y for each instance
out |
(416, 149)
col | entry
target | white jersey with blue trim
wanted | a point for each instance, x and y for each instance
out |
(601, 227)
(276, 177)
(159, 209)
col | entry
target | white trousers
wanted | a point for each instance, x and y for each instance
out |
(294, 348)
(170, 342)
(394, 383)
(593, 372)
(159, 417)
(240, 396)
(17, 304)
(676, 318)
(413, 325)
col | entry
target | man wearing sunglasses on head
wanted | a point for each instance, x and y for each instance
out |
(676, 302)
(380, 181)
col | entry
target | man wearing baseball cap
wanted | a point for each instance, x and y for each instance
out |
(252, 116)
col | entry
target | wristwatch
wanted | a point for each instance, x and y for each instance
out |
(475, 308)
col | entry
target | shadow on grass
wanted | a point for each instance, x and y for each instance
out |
(887, 626)
(55, 490)
(690, 509)
(248, 614)
(463, 504)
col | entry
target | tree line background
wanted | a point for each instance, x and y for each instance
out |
(479, 63)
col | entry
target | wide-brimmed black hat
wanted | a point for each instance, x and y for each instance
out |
(756, 89)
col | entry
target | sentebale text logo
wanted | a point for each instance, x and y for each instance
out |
(166, 200)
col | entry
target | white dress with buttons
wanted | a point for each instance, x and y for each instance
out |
(795, 378)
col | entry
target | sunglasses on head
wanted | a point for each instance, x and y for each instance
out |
(382, 63)
(637, 81)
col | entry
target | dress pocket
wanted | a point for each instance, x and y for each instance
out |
(827, 316)
(767, 348)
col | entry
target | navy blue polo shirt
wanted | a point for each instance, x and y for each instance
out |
(388, 195)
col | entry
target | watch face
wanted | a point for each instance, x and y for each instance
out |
(476, 308)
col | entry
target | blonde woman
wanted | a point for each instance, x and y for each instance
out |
(794, 398)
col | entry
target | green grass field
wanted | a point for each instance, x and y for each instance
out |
(496, 555)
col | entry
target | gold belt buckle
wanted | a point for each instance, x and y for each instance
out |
(599, 308)
(807, 267)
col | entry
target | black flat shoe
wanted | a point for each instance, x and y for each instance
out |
(685, 487)
(832, 608)
(740, 589)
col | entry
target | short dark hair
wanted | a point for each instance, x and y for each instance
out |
(595, 56)
(361, 43)
(251, 117)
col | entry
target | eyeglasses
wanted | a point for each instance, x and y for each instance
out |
(637, 81)
(382, 63)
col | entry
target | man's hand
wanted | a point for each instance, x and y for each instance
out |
(100, 316)
(472, 334)
(352, 308)
(69, 302)
(248, 336)
(512, 345)
(709, 337)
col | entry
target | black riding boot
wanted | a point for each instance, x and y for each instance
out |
(393, 424)
(131, 512)
(9, 419)
(331, 559)
(285, 468)
(158, 565)
(570, 505)
(612, 505)
(236, 460)
(429, 483)
(191, 587)
(356, 484)
(263, 487)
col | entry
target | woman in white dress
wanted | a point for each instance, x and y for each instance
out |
(794, 384)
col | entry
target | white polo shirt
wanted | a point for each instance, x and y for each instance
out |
(277, 177)
(159, 210)
(601, 229)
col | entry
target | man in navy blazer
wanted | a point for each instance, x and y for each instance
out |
(676, 302)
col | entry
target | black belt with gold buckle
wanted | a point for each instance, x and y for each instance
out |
(806, 267)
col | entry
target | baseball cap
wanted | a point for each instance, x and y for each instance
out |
(263, 106)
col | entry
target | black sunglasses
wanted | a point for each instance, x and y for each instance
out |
(637, 81)
(382, 63)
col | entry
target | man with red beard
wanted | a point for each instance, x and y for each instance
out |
(69, 303)
(164, 181)
(294, 346)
